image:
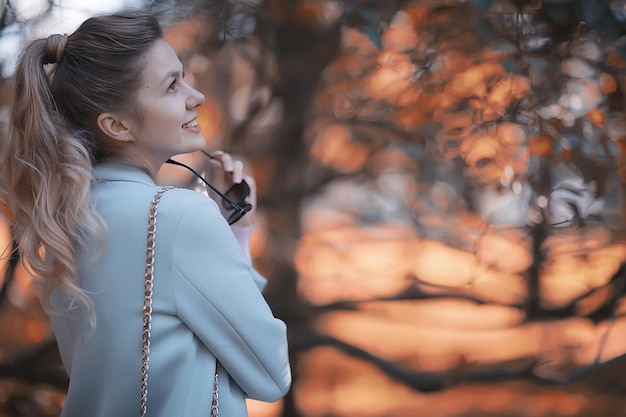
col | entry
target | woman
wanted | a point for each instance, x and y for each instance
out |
(94, 117)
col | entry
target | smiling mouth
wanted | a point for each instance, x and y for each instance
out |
(193, 123)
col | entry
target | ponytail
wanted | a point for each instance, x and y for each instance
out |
(46, 174)
(62, 84)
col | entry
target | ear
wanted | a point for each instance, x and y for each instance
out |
(114, 127)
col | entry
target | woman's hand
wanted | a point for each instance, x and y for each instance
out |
(227, 175)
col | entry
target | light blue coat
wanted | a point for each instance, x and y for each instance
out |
(207, 305)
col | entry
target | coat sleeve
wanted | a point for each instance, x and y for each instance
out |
(217, 297)
(242, 234)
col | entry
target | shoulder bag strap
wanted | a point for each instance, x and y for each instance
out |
(147, 309)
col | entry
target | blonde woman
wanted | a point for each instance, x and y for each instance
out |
(94, 117)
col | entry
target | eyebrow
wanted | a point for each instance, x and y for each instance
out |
(174, 74)
(170, 75)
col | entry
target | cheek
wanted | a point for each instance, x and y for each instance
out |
(156, 124)
(161, 118)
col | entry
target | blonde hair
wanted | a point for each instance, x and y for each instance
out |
(61, 85)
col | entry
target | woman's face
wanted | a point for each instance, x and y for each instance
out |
(168, 106)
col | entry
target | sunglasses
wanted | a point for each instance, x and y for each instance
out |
(237, 192)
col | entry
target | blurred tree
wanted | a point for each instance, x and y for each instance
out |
(417, 161)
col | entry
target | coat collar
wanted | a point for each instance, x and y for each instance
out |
(121, 172)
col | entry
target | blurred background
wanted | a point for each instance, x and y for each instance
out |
(441, 198)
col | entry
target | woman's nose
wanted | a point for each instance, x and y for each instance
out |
(194, 99)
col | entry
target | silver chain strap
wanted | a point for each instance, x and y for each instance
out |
(215, 402)
(147, 309)
(147, 301)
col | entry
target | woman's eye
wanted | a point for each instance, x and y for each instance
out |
(173, 87)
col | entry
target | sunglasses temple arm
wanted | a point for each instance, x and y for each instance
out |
(193, 171)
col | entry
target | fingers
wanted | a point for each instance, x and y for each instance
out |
(228, 165)
(224, 159)
(237, 171)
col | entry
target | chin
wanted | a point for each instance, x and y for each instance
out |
(195, 144)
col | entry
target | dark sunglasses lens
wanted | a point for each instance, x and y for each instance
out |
(235, 217)
(238, 214)
(238, 193)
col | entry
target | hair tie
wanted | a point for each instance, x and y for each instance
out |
(55, 48)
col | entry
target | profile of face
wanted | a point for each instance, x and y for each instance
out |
(168, 107)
